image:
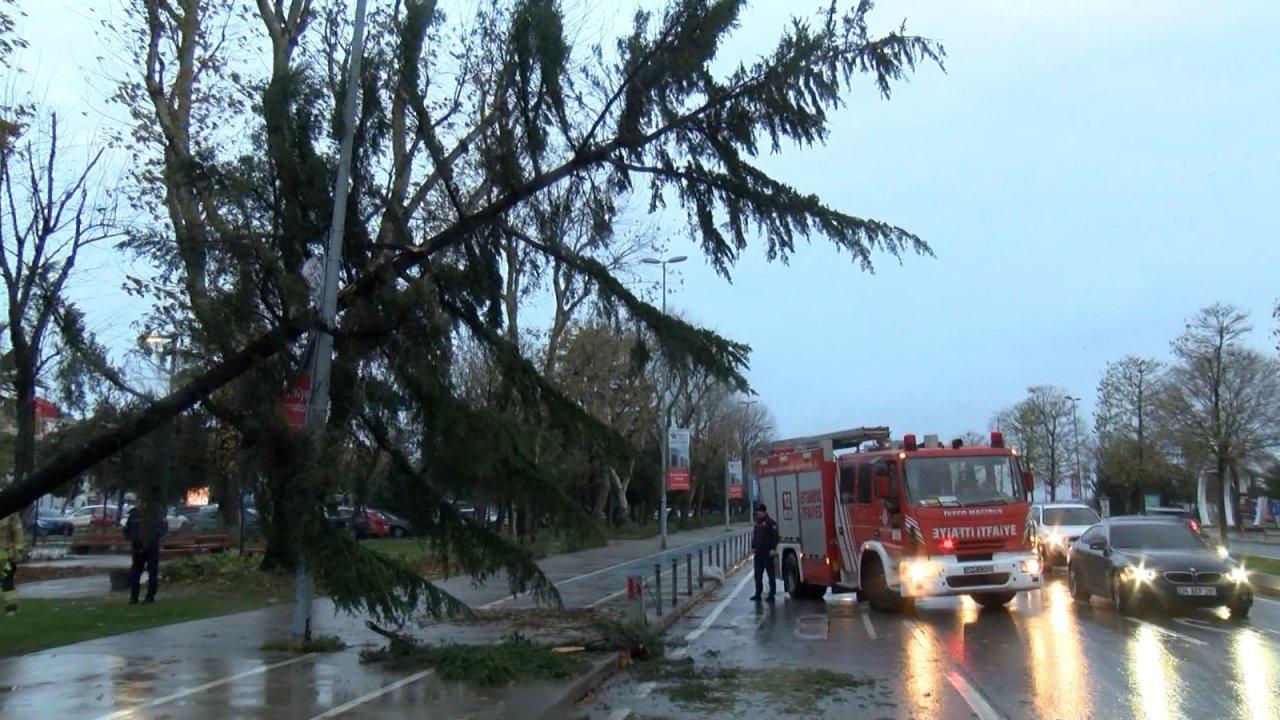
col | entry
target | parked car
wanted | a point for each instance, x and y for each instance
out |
(47, 521)
(397, 527)
(1054, 526)
(363, 523)
(1139, 560)
(98, 515)
(206, 519)
(1182, 514)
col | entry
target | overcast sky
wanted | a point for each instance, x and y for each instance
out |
(1088, 173)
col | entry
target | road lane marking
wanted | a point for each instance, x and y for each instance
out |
(715, 613)
(643, 689)
(977, 703)
(866, 622)
(754, 619)
(119, 714)
(593, 573)
(1168, 632)
(334, 712)
(620, 714)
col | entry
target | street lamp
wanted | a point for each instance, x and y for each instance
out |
(663, 412)
(1075, 431)
(157, 343)
(742, 460)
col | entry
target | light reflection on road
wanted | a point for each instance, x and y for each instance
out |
(923, 677)
(1152, 676)
(1059, 667)
(1258, 675)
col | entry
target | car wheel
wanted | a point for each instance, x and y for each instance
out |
(1078, 593)
(882, 598)
(1240, 610)
(791, 582)
(397, 532)
(1119, 598)
(992, 600)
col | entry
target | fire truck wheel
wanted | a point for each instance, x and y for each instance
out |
(993, 599)
(791, 582)
(878, 593)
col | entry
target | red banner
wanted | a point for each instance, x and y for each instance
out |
(295, 401)
(678, 480)
(735, 492)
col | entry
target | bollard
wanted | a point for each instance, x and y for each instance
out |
(688, 574)
(701, 576)
(657, 586)
(675, 583)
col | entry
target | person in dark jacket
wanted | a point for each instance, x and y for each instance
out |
(144, 529)
(764, 541)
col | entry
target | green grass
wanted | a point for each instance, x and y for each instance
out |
(42, 624)
(1270, 566)
(788, 690)
(317, 644)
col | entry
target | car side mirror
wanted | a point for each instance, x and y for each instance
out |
(1028, 481)
(1100, 546)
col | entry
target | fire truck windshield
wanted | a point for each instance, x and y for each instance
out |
(967, 481)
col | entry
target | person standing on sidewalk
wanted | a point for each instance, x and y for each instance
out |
(144, 529)
(764, 541)
(13, 545)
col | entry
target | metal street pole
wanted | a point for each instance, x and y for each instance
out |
(157, 343)
(1075, 430)
(664, 410)
(322, 351)
(742, 459)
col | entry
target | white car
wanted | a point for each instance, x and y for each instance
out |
(100, 514)
(1055, 526)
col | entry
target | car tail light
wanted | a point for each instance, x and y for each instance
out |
(1195, 526)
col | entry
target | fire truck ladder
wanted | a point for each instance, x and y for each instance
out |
(832, 441)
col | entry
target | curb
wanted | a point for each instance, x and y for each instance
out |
(580, 687)
(1267, 585)
(588, 682)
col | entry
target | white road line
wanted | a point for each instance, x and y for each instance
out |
(593, 573)
(334, 712)
(620, 714)
(119, 714)
(977, 703)
(1266, 600)
(715, 613)
(866, 622)
(643, 689)
(1167, 631)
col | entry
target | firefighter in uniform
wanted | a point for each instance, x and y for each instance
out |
(764, 541)
(13, 546)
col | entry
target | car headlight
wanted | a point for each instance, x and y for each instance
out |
(1139, 574)
(1238, 575)
(1222, 552)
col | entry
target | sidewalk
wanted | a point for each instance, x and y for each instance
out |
(216, 668)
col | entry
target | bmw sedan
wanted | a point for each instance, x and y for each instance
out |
(1137, 561)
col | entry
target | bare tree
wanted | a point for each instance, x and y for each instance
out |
(1041, 426)
(50, 210)
(1127, 396)
(1220, 397)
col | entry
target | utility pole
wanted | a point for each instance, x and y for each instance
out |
(663, 411)
(742, 460)
(1075, 431)
(159, 343)
(322, 350)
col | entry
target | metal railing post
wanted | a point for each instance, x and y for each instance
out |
(688, 574)
(675, 582)
(657, 585)
(701, 575)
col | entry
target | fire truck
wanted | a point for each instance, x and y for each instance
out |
(899, 520)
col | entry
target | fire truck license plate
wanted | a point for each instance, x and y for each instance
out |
(1198, 591)
(978, 569)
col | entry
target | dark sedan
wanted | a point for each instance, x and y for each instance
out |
(1138, 561)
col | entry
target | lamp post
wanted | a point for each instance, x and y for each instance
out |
(1075, 431)
(663, 412)
(157, 344)
(742, 462)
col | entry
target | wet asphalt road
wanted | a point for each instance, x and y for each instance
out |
(1044, 656)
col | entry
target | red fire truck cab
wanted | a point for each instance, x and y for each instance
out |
(896, 521)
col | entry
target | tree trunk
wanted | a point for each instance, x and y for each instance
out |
(620, 491)
(1225, 496)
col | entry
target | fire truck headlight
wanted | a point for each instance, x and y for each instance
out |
(917, 571)
(1030, 566)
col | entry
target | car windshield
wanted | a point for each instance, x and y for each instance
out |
(1155, 536)
(974, 480)
(1070, 516)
